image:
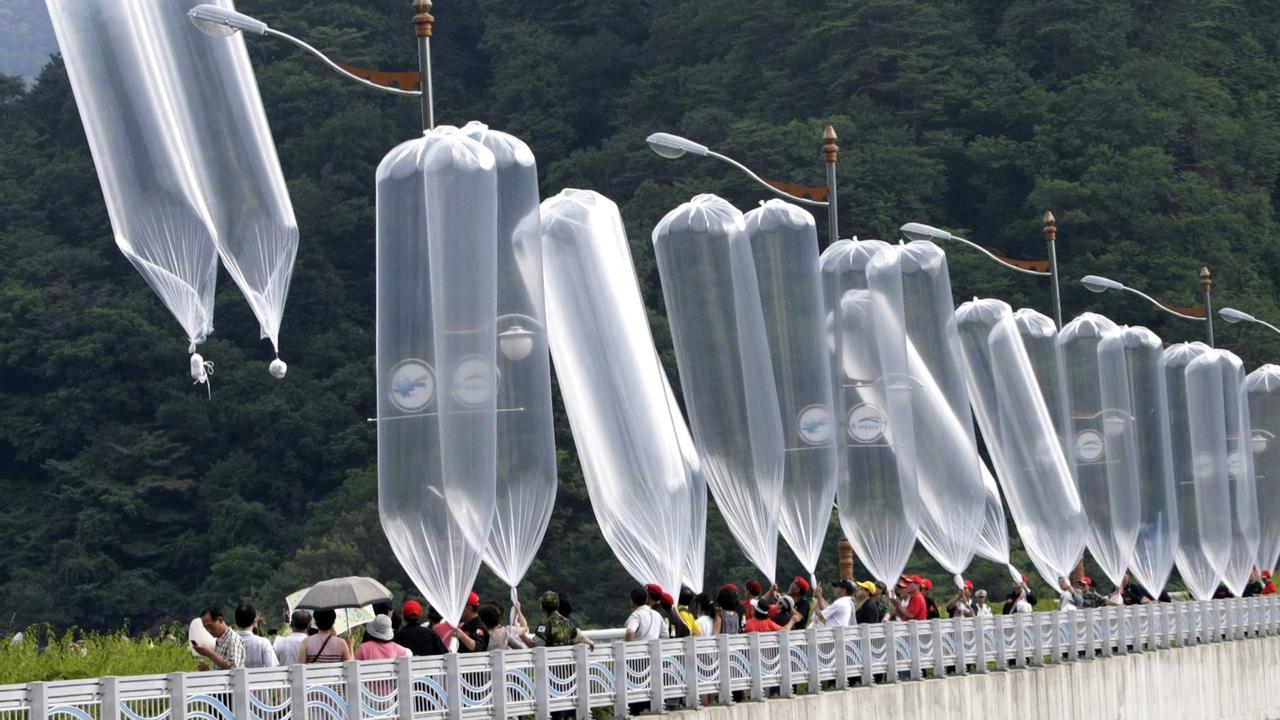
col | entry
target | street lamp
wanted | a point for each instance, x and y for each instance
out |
(920, 231)
(673, 146)
(1233, 316)
(222, 22)
(1099, 284)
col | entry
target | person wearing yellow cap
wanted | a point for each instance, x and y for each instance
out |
(868, 608)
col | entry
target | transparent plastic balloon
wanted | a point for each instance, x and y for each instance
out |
(224, 127)
(1021, 438)
(1202, 548)
(526, 475)
(784, 247)
(1107, 481)
(152, 193)
(1040, 340)
(713, 305)
(695, 557)
(1263, 389)
(1138, 454)
(436, 359)
(993, 541)
(878, 498)
(913, 293)
(1220, 444)
(614, 388)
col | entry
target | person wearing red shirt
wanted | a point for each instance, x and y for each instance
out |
(1268, 586)
(761, 622)
(914, 608)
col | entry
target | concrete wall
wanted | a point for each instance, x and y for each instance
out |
(1237, 680)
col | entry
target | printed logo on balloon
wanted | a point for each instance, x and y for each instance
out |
(814, 425)
(866, 423)
(413, 385)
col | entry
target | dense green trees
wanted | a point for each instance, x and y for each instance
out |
(1148, 127)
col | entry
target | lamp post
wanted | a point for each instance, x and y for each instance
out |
(1037, 268)
(673, 146)
(1232, 316)
(1099, 284)
(223, 22)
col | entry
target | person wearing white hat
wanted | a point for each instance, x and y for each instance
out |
(379, 643)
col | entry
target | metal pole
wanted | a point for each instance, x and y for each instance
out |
(423, 21)
(1206, 285)
(831, 153)
(1051, 237)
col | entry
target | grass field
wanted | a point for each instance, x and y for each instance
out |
(43, 656)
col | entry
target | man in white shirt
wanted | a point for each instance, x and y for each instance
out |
(1021, 605)
(840, 611)
(258, 652)
(643, 623)
(286, 646)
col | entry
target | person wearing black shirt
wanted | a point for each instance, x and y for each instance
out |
(1012, 599)
(868, 609)
(418, 638)
(472, 634)
(799, 592)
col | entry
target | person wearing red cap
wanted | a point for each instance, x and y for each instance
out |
(754, 588)
(799, 591)
(961, 605)
(914, 608)
(673, 624)
(1268, 587)
(1087, 596)
(418, 638)
(472, 635)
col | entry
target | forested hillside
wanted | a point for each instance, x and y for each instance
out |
(1149, 127)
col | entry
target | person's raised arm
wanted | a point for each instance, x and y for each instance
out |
(464, 639)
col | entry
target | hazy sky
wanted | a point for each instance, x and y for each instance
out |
(26, 37)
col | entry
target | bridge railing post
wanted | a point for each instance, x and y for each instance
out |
(724, 673)
(497, 681)
(956, 625)
(109, 695)
(757, 667)
(841, 652)
(866, 667)
(541, 685)
(939, 656)
(350, 674)
(1002, 652)
(980, 645)
(815, 659)
(786, 687)
(620, 690)
(1037, 637)
(1153, 626)
(891, 630)
(453, 686)
(913, 647)
(177, 685)
(1020, 639)
(581, 686)
(298, 693)
(691, 675)
(657, 678)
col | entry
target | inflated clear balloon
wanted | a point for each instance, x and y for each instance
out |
(158, 213)
(713, 305)
(784, 247)
(619, 407)
(1202, 547)
(695, 557)
(278, 368)
(993, 541)
(1138, 452)
(1021, 438)
(1040, 340)
(912, 288)
(1107, 481)
(219, 114)
(876, 487)
(1263, 389)
(526, 474)
(1222, 456)
(436, 360)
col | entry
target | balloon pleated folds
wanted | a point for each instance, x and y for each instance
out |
(1263, 389)
(437, 248)
(621, 411)
(709, 283)
(877, 495)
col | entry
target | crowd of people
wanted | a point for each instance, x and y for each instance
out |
(654, 614)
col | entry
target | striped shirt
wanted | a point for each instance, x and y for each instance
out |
(323, 647)
(230, 648)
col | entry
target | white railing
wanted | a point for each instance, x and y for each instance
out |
(691, 670)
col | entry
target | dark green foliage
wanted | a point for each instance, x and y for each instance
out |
(1150, 128)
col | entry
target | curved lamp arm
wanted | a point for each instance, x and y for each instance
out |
(1232, 315)
(920, 231)
(1100, 284)
(338, 68)
(757, 178)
